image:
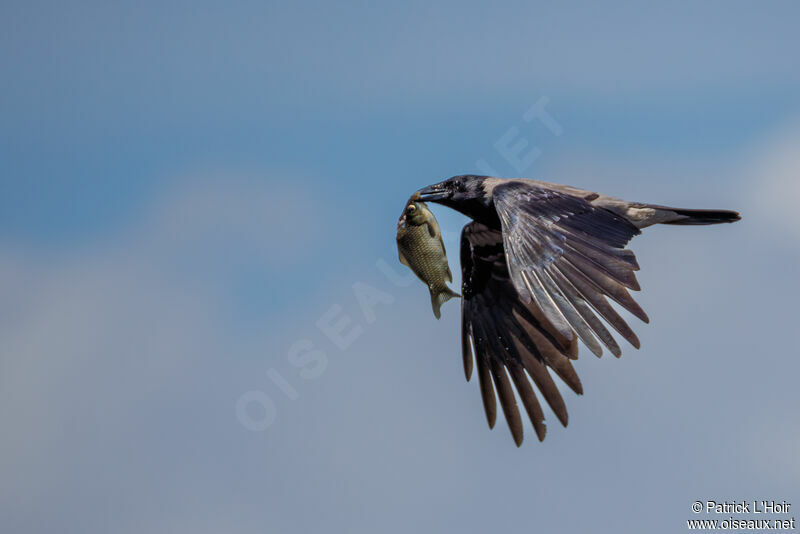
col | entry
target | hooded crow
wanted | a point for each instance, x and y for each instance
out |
(539, 262)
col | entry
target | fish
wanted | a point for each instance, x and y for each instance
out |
(420, 248)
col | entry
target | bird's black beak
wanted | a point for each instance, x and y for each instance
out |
(432, 193)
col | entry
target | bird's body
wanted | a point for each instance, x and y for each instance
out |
(539, 262)
(420, 247)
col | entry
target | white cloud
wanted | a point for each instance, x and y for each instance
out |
(774, 180)
(102, 340)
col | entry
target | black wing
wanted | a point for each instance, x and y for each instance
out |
(512, 341)
(565, 256)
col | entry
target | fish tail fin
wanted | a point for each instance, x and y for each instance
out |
(439, 297)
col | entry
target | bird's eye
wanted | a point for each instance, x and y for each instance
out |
(411, 208)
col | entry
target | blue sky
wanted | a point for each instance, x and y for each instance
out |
(187, 188)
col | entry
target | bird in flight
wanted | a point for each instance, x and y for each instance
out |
(539, 262)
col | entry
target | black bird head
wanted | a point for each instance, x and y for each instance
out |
(466, 193)
(455, 190)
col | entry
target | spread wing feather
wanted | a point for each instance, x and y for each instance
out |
(512, 342)
(565, 256)
(532, 290)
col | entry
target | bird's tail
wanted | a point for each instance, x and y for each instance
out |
(699, 217)
(665, 215)
(439, 297)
